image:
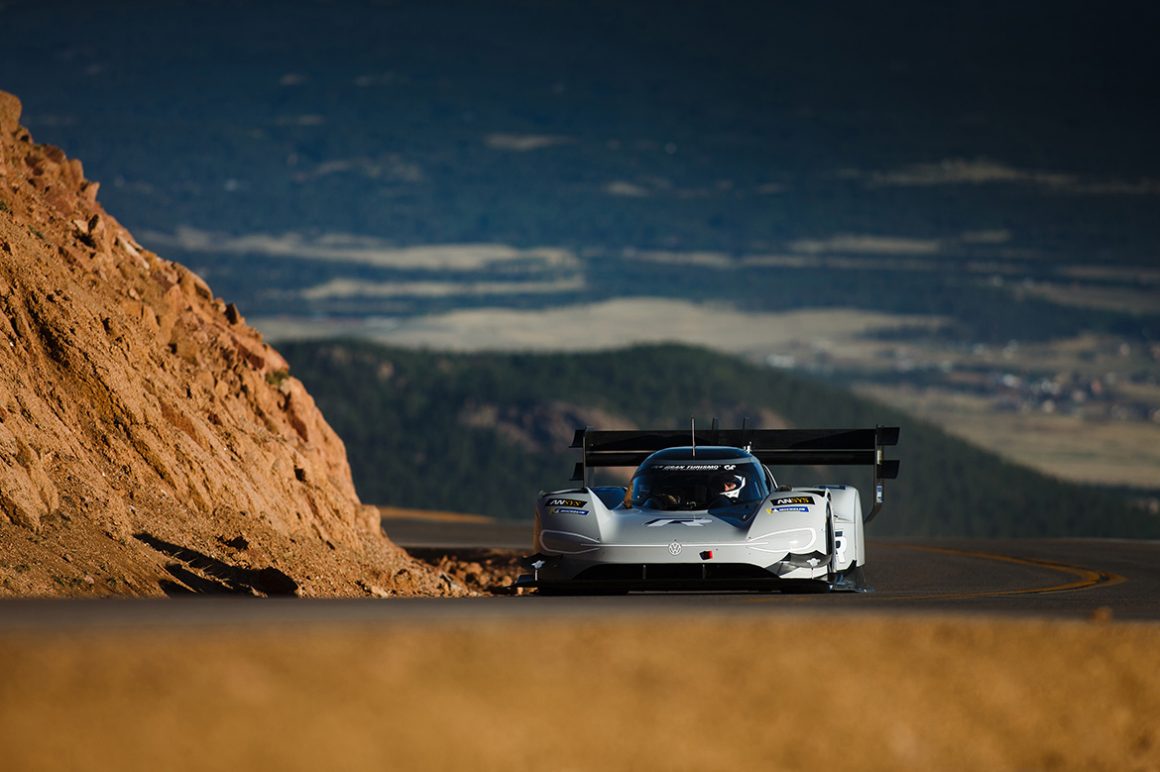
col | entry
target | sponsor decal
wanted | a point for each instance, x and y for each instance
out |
(569, 511)
(794, 500)
(790, 509)
(689, 467)
(567, 503)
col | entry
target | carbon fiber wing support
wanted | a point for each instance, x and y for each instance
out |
(778, 447)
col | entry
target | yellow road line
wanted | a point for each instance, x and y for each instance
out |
(1085, 578)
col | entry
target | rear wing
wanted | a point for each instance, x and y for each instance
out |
(778, 447)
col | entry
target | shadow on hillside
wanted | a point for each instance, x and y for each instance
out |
(200, 574)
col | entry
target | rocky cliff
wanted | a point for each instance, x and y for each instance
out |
(150, 441)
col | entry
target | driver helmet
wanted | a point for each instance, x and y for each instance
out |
(731, 485)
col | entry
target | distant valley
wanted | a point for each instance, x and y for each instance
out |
(950, 208)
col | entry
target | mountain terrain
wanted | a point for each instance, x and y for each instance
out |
(150, 441)
(979, 179)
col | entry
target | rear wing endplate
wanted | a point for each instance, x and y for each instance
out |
(775, 447)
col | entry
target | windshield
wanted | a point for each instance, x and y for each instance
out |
(689, 486)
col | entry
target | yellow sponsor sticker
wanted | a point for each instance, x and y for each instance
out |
(793, 500)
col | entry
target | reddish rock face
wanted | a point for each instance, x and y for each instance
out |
(145, 427)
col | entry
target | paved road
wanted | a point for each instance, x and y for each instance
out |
(1056, 578)
(1025, 577)
(1034, 576)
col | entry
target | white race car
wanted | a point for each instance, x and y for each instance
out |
(709, 517)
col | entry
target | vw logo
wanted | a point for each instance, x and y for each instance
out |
(675, 548)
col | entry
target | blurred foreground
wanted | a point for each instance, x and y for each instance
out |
(796, 690)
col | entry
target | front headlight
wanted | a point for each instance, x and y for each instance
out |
(567, 543)
(799, 540)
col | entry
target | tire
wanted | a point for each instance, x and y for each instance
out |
(816, 586)
(832, 546)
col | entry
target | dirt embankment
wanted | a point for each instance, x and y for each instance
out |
(784, 691)
(150, 441)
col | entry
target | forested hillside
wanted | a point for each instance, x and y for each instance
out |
(484, 432)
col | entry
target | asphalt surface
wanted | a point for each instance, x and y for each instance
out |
(1021, 576)
(1105, 579)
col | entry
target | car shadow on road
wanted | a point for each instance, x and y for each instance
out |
(200, 574)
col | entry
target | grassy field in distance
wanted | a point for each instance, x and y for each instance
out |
(1085, 409)
(1106, 452)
